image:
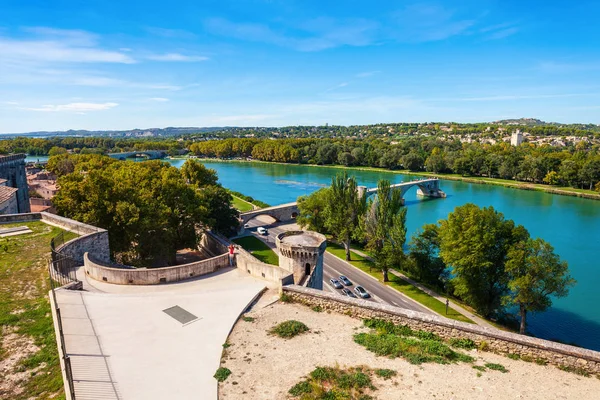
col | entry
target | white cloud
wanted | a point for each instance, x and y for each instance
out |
(159, 99)
(42, 50)
(429, 22)
(316, 34)
(73, 107)
(176, 57)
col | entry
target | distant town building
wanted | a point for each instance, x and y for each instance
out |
(516, 138)
(43, 183)
(12, 174)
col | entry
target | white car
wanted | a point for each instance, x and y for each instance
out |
(262, 231)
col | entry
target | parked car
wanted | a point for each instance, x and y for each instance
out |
(345, 281)
(348, 292)
(335, 283)
(362, 292)
(262, 231)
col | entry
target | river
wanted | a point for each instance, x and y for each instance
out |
(570, 224)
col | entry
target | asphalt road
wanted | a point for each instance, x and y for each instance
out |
(333, 267)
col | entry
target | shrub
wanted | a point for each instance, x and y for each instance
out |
(222, 374)
(513, 356)
(479, 368)
(334, 383)
(286, 298)
(540, 361)
(226, 345)
(317, 308)
(496, 367)
(527, 358)
(483, 346)
(415, 351)
(289, 329)
(300, 388)
(248, 319)
(385, 373)
(466, 344)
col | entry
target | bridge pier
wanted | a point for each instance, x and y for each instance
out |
(430, 188)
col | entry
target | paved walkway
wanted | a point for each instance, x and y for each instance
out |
(123, 346)
(478, 320)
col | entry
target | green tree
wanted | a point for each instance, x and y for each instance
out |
(475, 242)
(385, 228)
(345, 208)
(426, 265)
(435, 162)
(312, 210)
(537, 273)
(197, 174)
(413, 161)
(552, 178)
(148, 208)
(54, 151)
(590, 173)
(220, 215)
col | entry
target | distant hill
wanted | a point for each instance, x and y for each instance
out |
(525, 121)
(150, 132)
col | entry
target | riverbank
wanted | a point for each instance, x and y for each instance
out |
(564, 191)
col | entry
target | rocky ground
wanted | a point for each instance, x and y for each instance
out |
(264, 366)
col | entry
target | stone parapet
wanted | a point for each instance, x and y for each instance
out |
(91, 239)
(498, 341)
(151, 276)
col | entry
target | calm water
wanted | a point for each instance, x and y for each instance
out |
(570, 224)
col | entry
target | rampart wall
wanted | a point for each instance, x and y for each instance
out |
(151, 276)
(498, 341)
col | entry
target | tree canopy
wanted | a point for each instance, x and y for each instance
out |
(148, 208)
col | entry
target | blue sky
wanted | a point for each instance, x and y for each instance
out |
(68, 64)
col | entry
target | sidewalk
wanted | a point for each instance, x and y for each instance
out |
(478, 320)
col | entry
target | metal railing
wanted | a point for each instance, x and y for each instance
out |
(65, 357)
(62, 270)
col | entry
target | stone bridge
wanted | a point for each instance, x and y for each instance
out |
(426, 187)
(149, 154)
(282, 213)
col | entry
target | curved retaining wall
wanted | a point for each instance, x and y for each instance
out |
(95, 269)
(91, 239)
(558, 354)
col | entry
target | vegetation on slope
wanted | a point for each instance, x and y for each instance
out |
(27, 329)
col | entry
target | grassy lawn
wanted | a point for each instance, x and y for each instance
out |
(241, 205)
(25, 312)
(258, 249)
(398, 284)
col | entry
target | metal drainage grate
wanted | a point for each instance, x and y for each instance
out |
(182, 316)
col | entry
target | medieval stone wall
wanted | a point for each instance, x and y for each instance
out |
(151, 276)
(497, 341)
(12, 168)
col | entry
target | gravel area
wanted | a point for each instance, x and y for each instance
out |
(266, 367)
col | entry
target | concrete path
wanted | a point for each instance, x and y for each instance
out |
(123, 346)
(478, 320)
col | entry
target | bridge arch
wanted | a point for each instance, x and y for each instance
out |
(281, 213)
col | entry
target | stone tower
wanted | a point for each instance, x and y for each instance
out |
(301, 253)
(12, 168)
